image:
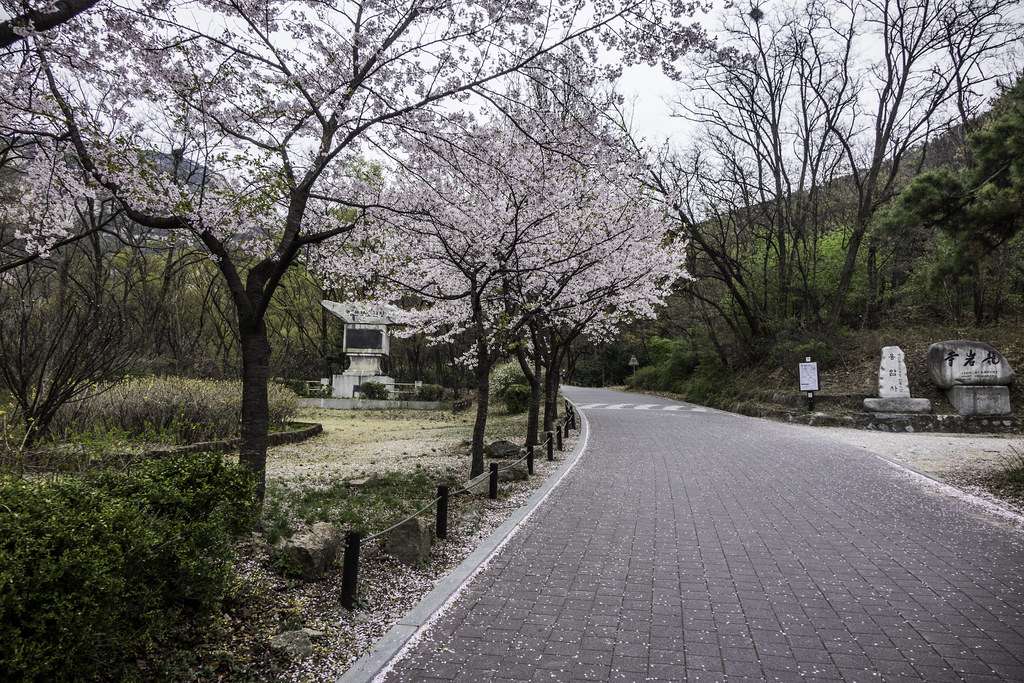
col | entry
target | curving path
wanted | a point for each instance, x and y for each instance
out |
(690, 544)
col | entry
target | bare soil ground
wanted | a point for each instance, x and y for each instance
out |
(360, 443)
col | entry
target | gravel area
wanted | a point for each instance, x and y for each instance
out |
(935, 454)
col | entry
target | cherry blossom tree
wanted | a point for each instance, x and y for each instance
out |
(245, 127)
(27, 18)
(513, 229)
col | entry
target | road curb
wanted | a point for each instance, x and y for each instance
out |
(409, 629)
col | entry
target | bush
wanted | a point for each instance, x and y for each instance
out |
(374, 391)
(306, 389)
(95, 571)
(174, 409)
(429, 392)
(648, 377)
(505, 376)
(517, 398)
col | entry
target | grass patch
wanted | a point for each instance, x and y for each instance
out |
(381, 500)
(1007, 482)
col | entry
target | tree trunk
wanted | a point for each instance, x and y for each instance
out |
(255, 405)
(977, 296)
(483, 389)
(874, 303)
(532, 375)
(551, 382)
(847, 272)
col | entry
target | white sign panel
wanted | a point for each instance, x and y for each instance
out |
(808, 377)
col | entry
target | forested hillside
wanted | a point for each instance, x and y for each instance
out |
(830, 212)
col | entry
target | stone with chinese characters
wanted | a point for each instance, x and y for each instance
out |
(962, 362)
(892, 374)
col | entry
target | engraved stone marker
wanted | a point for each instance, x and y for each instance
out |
(894, 387)
(892, 374)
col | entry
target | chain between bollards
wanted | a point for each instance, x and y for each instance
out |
(442, 511)
(551, 446)
(492, 488)
(350, 570)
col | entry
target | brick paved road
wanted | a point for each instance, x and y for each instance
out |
(704, 546)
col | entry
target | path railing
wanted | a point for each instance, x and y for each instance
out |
(355, 541)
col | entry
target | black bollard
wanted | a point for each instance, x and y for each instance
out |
(551, 446)
(492, 488)
(558, 437)
(442, 511)
(529, 459)
(350, 570)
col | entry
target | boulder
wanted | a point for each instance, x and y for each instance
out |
(294, 644)
(897, 405)
(410, 541)
(515, 473)
(980, 400)
(961, 362)
(502, 448)
(312, 553)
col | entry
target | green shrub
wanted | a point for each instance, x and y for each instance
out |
(648, 377)
(504, 376)
(374, 391)
(789, 351)
(516, 398)
(188, 488)
(174, 409)
(93, 572)
(306, 389)
(429, 392)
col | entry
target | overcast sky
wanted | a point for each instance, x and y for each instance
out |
(649, 93)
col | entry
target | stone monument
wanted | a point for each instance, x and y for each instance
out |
(365, 345)
(894, 387)
(975, 377)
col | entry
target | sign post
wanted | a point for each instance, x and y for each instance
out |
(633, 363)
(809, 380)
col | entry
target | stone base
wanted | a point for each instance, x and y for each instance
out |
(980, 400)
(897, 405)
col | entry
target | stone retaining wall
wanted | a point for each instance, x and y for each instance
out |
(974, 424)
(302, 431)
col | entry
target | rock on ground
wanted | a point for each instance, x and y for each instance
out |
(314, 552)
(502, 448)
(410, 541)
(295, 644)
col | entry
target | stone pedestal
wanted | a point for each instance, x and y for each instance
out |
(897, 405)
(980, 400)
